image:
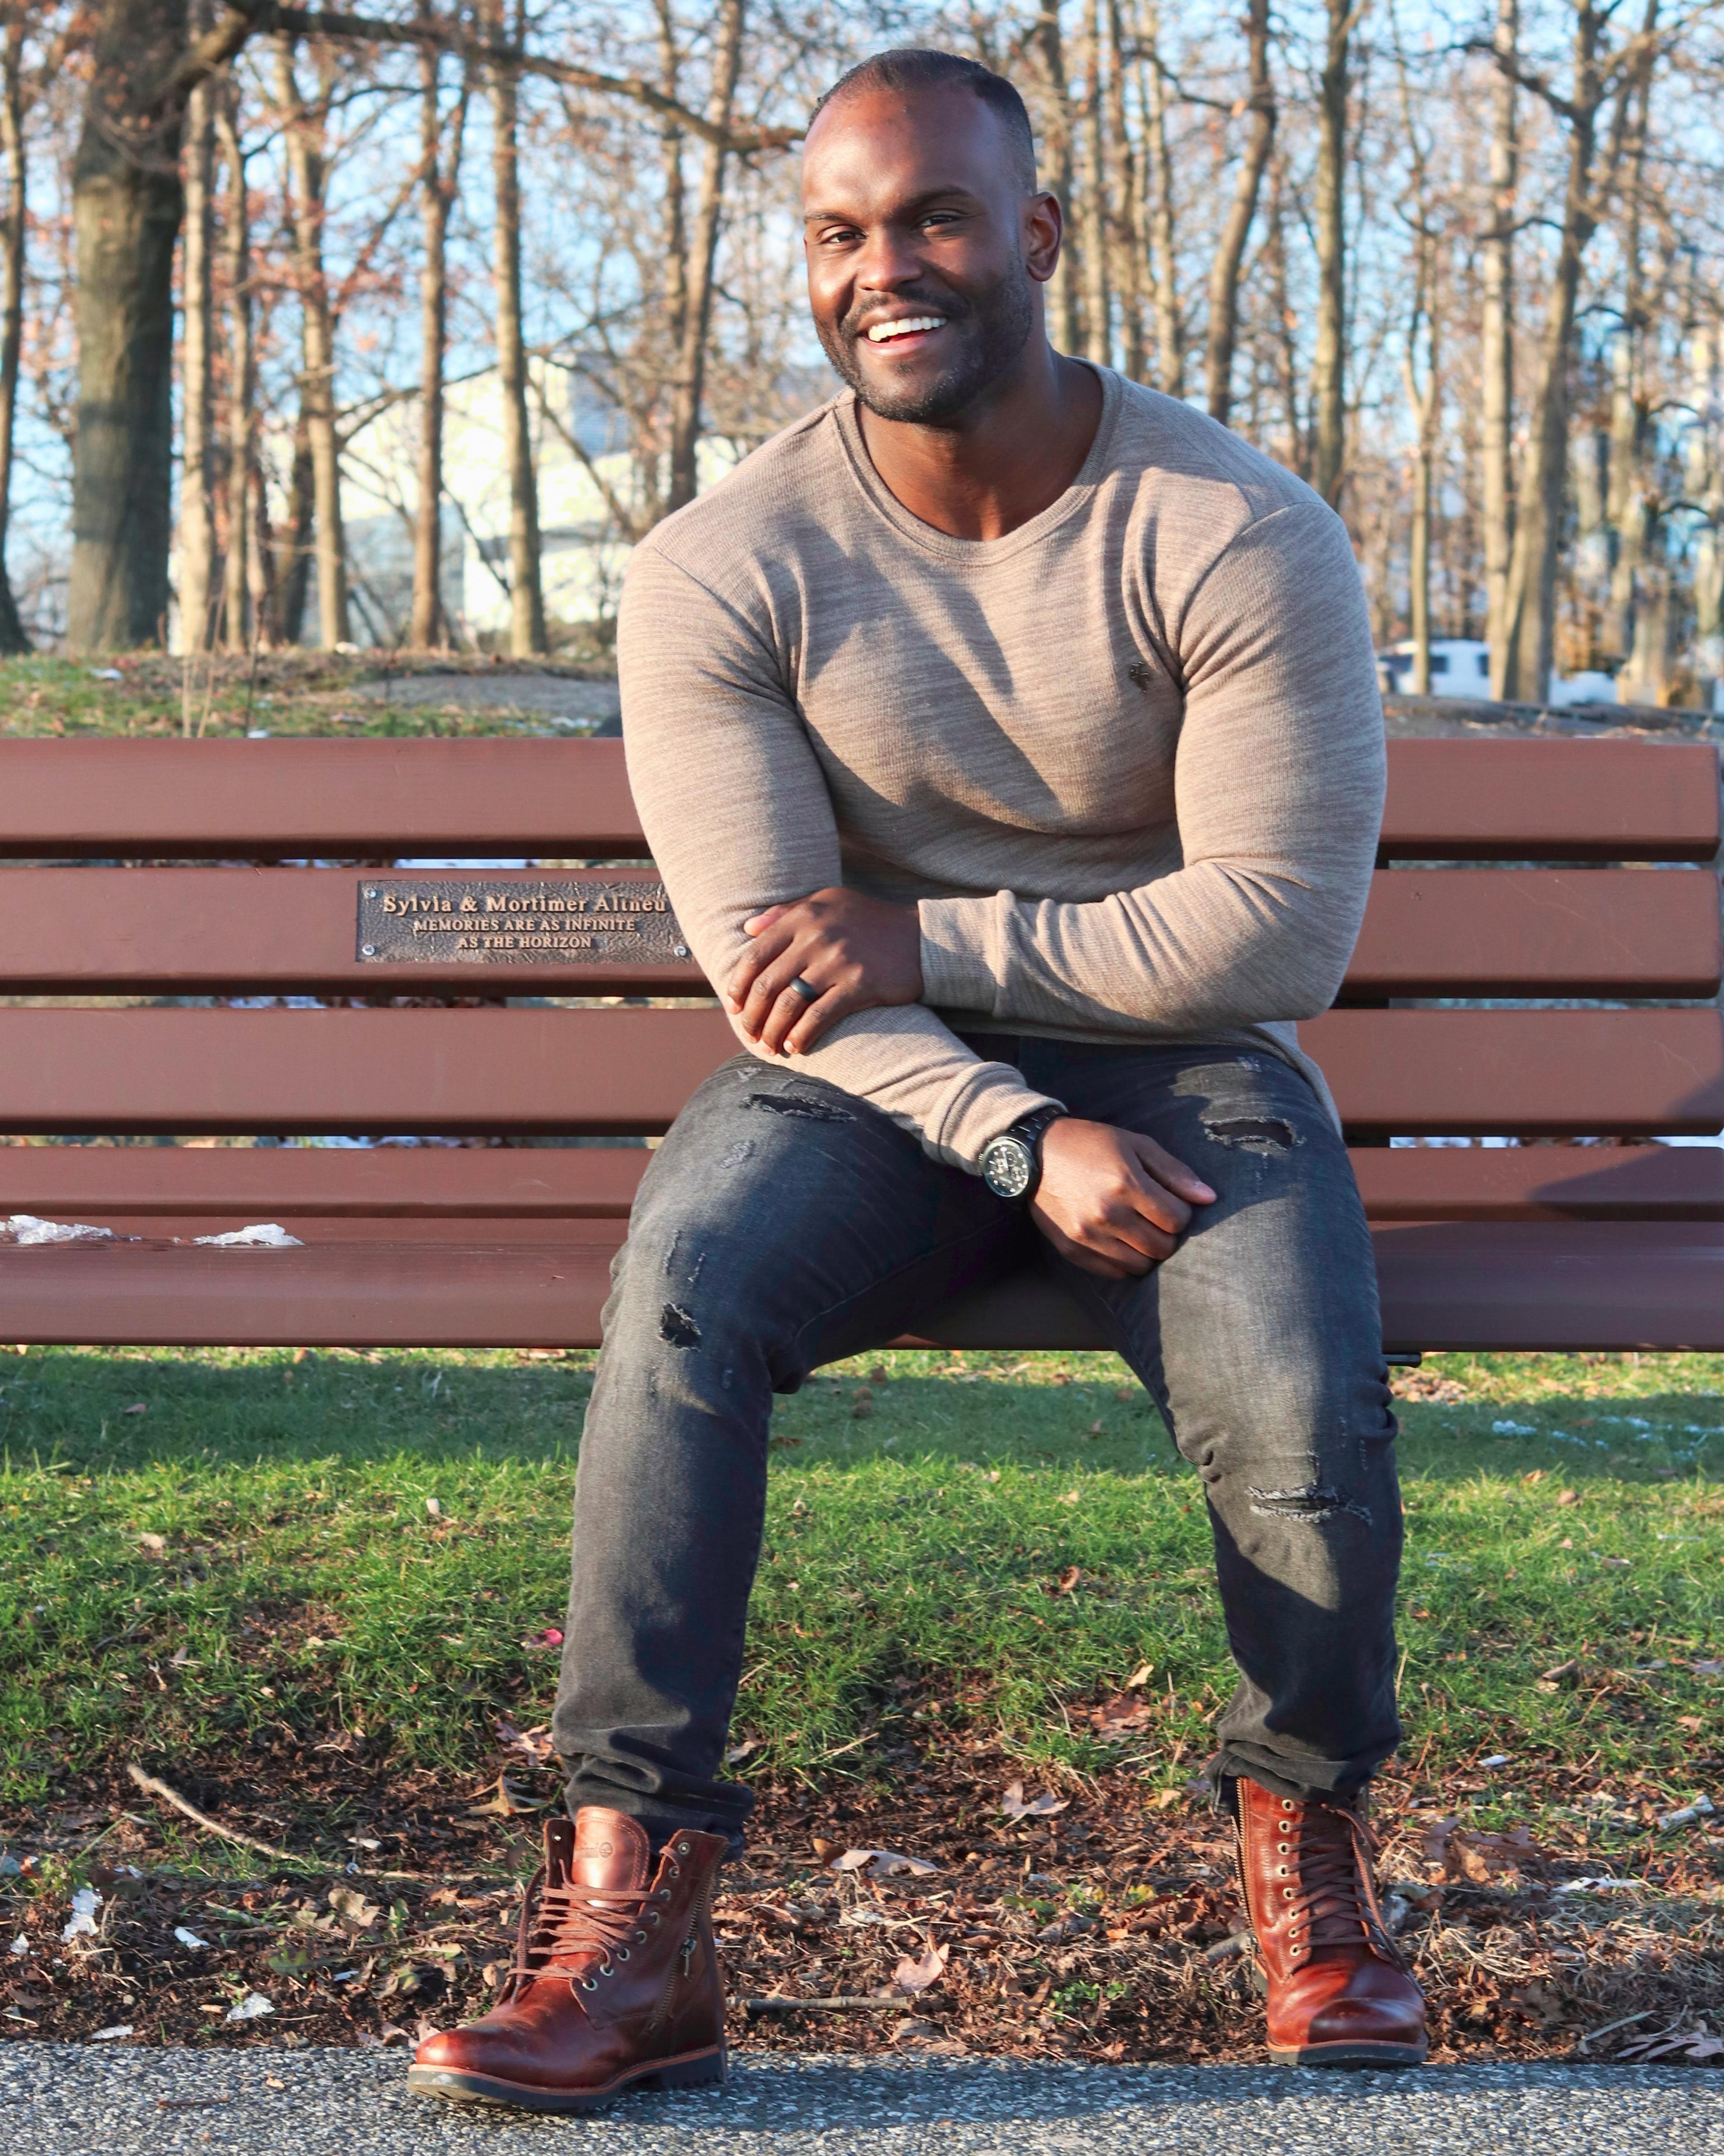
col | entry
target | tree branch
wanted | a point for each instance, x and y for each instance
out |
(246, 18)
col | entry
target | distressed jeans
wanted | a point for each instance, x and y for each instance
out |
(784, 1223)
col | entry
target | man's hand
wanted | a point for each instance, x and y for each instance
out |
(859, 952)
(1111, 1201)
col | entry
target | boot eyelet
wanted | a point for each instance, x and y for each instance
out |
(588, 1985)
(622, 1953)
(656, 1916)
(638, 1938)
(1286, 1803)
(675, 1873)
(1281, 1871)
(606, 1970)
(664, 1894)
(1286, 1893)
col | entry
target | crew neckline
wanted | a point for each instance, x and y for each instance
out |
(979, 553)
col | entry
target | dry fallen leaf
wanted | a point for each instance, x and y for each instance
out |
(355, 1913)
(1139, 1676)
(1122, 1715)
(885, 1864)
(152, 1545)
(137, 1407)
(1013, 1804)
(1070, 1580)
(915, 1977)
(1566, 1497)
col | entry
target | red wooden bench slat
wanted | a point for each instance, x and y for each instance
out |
(266, 1182)
(367, 800)
(158, 1190)
(288, 800)
(281, 931)
(1548, 800)
(1629, 932)
(1527, 1285)
(620, 1072)
(201, 932)
(1524, 1072)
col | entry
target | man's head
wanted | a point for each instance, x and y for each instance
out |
(926, 237)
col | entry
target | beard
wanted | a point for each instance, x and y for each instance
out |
(987, 335)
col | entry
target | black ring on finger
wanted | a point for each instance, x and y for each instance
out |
(806, 990)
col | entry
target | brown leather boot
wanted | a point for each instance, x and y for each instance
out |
(1339, 1992)
(615, 1984)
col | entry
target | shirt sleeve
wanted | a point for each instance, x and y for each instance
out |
(735, 809)
(1279, 786)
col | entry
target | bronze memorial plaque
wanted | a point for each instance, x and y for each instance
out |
(475, 921)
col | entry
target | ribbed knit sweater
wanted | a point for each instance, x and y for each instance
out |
(1128, 760)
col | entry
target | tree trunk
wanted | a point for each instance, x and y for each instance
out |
(526, 597)
(1286, 341)
(304, 131)
(1098, 299)
(198, 587)
(126, 207)
(1423, 397)
(293, 552)
(1163, 254)
(697, 324)
(1329, 365)
(1497, 343)
(1704, 471)
(1127, 237)
(428, 628)
(1065, 326)
(239, 558)
(1230, 253)
(654, 478)
(1631, 508)
(12, 636)
(1530, 610)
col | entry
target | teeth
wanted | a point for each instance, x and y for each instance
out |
(882, 331)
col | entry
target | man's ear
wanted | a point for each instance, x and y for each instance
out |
(1043, 229)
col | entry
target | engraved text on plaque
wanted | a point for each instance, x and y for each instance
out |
(471, 921)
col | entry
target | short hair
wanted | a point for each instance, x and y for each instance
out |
(924, 67)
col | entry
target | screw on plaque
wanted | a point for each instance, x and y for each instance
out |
(367, 950)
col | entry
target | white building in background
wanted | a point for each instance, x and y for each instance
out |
(1460, 666)
(582, 555)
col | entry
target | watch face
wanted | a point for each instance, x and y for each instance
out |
(1007, 1167)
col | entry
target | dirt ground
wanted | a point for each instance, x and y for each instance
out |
(1102, 1929)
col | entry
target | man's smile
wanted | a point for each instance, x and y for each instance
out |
(913, 327)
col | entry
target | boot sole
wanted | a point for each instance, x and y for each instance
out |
(1348, 2055)
(693, 2070)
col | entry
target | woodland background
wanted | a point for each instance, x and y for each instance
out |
(1459, 265)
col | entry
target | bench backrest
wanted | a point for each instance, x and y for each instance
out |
(160, 868)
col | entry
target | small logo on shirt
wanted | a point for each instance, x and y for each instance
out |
(1142, 673)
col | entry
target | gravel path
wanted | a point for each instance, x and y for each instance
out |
(68, 2100)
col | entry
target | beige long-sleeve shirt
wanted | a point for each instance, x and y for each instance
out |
(1128, 759)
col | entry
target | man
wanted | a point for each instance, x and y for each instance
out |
(1008, 738)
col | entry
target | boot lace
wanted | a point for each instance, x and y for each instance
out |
(573, 1924)
(1323, 1880)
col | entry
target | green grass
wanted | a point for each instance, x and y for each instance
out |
(287, 693)
(919, 1563)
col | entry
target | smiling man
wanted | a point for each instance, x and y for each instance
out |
(1008, 738)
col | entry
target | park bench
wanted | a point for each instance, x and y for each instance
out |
(1573, 879)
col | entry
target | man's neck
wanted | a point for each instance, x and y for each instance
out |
(1003, 461)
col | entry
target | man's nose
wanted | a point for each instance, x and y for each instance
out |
(890, 257)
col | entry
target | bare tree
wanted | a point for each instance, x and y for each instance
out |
(198, 583)
(1329, 359)
(440, 166)
(304, 129)
(13, 638)
(1497, 339)
(1597, 74)
(245, 559)
(526, 597)
(1163, 250)
(126, 202)
(1047, 43)
(1230, 253)
(703, 253)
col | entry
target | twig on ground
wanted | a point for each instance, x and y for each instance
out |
(1627, 2022)
(153, 1788)
(772, 2004)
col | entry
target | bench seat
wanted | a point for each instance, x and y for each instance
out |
(477, 1283)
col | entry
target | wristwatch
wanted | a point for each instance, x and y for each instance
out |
(1012, 1163)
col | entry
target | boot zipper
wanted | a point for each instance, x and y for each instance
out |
(688, 1952)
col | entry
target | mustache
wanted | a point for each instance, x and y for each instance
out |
(861, 319)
